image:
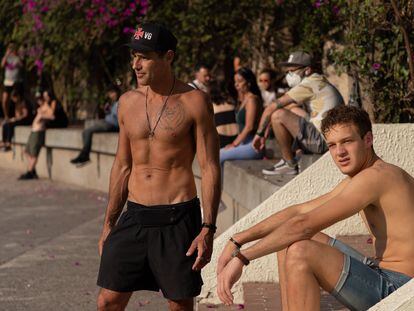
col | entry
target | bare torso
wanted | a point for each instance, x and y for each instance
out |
(390, 220)
(161, 170)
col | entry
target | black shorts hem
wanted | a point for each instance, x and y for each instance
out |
(126, 289)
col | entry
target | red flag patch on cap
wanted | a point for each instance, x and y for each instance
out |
(138, 34)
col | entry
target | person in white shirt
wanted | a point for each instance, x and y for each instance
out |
(266, 85)
(202, 78)
(292, 130)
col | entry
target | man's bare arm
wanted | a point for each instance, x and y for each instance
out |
(358, 193)
(118, 184)
(267, 113)
(207, 145)
(271, 223)
(208, 158)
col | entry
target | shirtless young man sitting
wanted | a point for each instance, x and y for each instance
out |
(382, 193)
(160, 241)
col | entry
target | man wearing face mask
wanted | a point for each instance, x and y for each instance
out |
(292, 130)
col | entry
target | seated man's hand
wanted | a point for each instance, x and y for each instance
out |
(226, 279)
(225, 256)
(258, 143)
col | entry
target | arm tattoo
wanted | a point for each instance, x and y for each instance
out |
(264, 125)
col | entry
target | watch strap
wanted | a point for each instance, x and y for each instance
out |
(212, 227)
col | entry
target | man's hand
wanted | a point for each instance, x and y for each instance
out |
(225, 256)
(104, 235)
(226, 279)
(258, 143)
(204, 245)
(229, 146)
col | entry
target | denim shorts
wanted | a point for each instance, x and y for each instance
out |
(363, 283)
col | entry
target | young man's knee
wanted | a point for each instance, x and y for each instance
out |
(181, 305)
(299, 250)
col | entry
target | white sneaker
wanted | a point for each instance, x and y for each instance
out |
(281, 168)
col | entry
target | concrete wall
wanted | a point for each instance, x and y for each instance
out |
(61, 146)
(401, 300)
(393, 142)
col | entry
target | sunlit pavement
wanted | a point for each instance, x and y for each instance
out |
(48, 247)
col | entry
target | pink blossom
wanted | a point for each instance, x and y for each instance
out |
(127, 13)
(39, 64)
(336, 10)
(89, 14)
(279, 2)
(317, 4)
(112, 23)
(128, 30)
(31, 5)
(132, 6)
(376, 66)
(44, 9)
(113, 10)
(101, 9)
(38, 25)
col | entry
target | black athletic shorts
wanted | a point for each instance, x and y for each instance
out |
(146, 250)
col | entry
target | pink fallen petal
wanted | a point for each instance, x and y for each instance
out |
(77, 263)
(240, 306)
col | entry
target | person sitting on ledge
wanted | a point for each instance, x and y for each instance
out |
(382, 193)
(290, 124)
(109, 124)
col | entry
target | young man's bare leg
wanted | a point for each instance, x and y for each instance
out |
(285, 126)
(109, 300)
(181, 305)
(320, 237)
(310, 265)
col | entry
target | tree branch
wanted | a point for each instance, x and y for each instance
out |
(407, 44)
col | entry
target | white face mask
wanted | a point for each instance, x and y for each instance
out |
(293, 79)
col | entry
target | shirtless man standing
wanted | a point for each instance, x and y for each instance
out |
(160, 242)
(382, 193)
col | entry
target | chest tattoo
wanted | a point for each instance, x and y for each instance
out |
(173, 117)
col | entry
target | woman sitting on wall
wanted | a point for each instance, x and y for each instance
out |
(248, 112)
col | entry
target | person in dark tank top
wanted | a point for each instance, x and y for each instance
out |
(249, 110)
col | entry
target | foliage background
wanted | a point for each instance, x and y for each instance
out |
(77, 45)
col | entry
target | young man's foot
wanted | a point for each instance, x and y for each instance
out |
(80, 160)
(281, 168)
(28, 176)
(6, 148)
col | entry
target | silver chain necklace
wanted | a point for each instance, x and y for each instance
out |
(152, 130)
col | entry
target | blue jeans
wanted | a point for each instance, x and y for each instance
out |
(99, 127)
(244, 151)
(363, 283)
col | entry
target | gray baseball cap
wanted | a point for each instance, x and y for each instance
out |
(298, 58)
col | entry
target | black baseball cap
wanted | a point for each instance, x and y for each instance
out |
(151, 36)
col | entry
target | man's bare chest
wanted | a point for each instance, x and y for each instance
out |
(158, 122)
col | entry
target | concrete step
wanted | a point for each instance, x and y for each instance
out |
(266, 295)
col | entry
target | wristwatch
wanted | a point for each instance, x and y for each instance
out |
(211, 227)
(239, 255)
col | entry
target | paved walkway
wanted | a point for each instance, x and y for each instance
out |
(48, 247)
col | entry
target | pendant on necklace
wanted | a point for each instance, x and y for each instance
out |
(151, 135)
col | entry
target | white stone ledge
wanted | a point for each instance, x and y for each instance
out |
(71, 138)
